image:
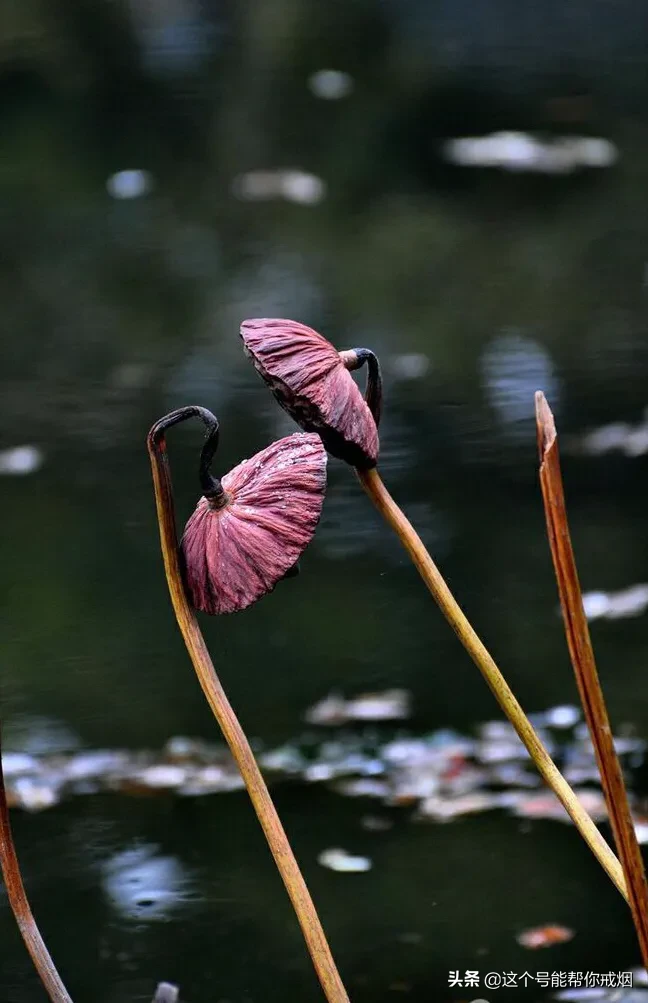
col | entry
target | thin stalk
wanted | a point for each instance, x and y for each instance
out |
(21, 909)
(392, 514)
(581, 654)
(284, 857)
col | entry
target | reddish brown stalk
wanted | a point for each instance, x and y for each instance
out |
(235, 737)
(584, 665)
(21, 909)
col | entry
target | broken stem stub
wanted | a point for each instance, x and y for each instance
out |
(582, 658)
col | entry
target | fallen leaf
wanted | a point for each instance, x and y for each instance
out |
(544, 936)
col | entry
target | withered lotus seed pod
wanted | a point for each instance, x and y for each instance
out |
(312, 382)
(250, 528)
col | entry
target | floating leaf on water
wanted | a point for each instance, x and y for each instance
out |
(181, 749)
(289, 184)
(446, 809)
(211, 780)
(391, 705)
(129, 184)
(522, 152)
(330, 85)
(161, 776)
(632, 601)
(16, 763)
(166, 992)
(544, 936)
(33, 794)
(340, 860)
(90, 765)
(286, 759)
(362, 787)
(548, 806)
(564, 716)
(376, 823)
(20, 460)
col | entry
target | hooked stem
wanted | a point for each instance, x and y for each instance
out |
(230, 726)
(21, 909)
(392, 514)
(355, 358)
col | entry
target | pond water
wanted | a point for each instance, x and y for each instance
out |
(475, 287)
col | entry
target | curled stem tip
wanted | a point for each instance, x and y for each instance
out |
(210, 485)
(582, 658)
(355, 358)
(20, 907)
(230, 726)
(373, 485)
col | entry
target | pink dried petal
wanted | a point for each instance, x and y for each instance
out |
(309, 379)
(235, 554)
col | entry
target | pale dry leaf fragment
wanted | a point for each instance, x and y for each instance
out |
(544, 936)
(337, 859)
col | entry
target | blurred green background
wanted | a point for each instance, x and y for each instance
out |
(168, 169)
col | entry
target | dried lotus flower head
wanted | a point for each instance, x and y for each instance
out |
(249, 529)
(312, 382)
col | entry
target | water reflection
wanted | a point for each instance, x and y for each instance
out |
(142, 884)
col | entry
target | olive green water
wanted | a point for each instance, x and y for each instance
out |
(114, 312)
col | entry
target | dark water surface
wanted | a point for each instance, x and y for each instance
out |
(476, 288)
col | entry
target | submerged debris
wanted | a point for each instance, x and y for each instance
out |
(544, 936)
(337, 859)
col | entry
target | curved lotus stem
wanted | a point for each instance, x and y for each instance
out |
(233, 733)
(392, 514)
(21, 909)
(310, 379)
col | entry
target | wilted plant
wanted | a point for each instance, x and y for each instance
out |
(247, 532)
(312, 382)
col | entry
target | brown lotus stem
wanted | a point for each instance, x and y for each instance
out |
(392, 514)
(21, 909)
(233, 733)
(589, 687)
